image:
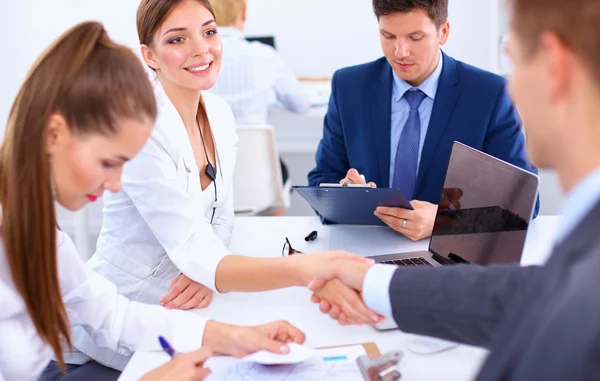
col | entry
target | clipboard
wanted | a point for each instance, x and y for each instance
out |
(352, 206)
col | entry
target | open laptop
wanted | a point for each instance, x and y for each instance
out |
(483, 216)
(267, 40)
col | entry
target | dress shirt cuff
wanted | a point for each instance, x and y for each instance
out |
(376, 289)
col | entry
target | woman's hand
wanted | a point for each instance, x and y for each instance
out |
(311, 265)
(345, 298)
(186, 294)
(183, 367)
(345, 309)
(239, 341)
(344, 304)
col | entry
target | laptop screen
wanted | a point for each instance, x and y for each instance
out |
(267, 40)
(485, 209)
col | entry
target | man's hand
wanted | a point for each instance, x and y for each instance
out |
(186, 294)
(351, 274)
(310, 266)
(354, 178)
(346, 304)
(414, 224)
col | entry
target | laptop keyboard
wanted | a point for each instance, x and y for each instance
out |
(420, 261)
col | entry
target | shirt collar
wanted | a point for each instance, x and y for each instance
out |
(429, 86)
(579, 202)
(231, 32)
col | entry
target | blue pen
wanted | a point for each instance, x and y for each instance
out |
(166, 346)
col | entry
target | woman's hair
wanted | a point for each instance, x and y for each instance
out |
(151, 14)
(228, 12)
(91, 82)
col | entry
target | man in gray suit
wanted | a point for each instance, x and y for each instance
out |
(539, 322)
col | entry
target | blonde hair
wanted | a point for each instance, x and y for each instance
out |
(227, 12)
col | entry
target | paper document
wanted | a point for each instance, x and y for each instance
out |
(298, 354)
(372, 240)
(334, 364)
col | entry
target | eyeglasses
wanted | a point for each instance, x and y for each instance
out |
(288, 249)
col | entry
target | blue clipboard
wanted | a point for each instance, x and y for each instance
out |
(352, 206)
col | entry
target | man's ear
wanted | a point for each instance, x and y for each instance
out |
(444, 32)
(148, 57)
(558, 64)
(244, 16)
(58, 134)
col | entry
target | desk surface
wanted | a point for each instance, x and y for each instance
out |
(264, 237)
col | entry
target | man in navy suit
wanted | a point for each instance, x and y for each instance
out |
(394, 120)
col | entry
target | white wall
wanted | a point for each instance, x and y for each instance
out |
(316, 37)
(319, 36)
(27, 27)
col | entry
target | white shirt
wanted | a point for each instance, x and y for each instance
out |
(577, 204)
(251, 75)
(92, 304)
(159, 225)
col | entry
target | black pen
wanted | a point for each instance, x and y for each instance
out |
(311, 237)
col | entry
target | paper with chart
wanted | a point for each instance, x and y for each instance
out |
(333, 364)
(297, 354)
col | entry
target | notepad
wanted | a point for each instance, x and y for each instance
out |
(332, 364)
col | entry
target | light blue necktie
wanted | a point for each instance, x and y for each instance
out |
(407, 155)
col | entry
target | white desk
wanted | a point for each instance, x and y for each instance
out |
(264, 237)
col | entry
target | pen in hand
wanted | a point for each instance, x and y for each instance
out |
(166, 346)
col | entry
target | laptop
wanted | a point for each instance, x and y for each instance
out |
(483, 215)
(267, 40)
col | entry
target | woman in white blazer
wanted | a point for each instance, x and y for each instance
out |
(171, 218)
(85, 108)
(164, 237)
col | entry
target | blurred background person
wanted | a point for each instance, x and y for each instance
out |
(253, 75)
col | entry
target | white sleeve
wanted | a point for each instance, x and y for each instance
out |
(1, 377)
(287, 87)
(376, 289)
(114, 322)
(159, 195)
(224, 220)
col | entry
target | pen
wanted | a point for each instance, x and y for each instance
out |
(166, 346)
(311, 236)
(345, 184)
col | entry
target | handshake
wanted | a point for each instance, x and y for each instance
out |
(337, 288)
(335, 278)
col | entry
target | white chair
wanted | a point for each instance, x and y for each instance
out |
(257, 182)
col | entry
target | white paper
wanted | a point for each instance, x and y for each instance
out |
(334, 364)
(297, 355)
(372, 240)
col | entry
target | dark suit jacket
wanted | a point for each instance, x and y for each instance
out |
(540, 322)
(471, 106)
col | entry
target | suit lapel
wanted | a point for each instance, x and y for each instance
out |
(382, 121)
(443, 106)
(172, 128)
